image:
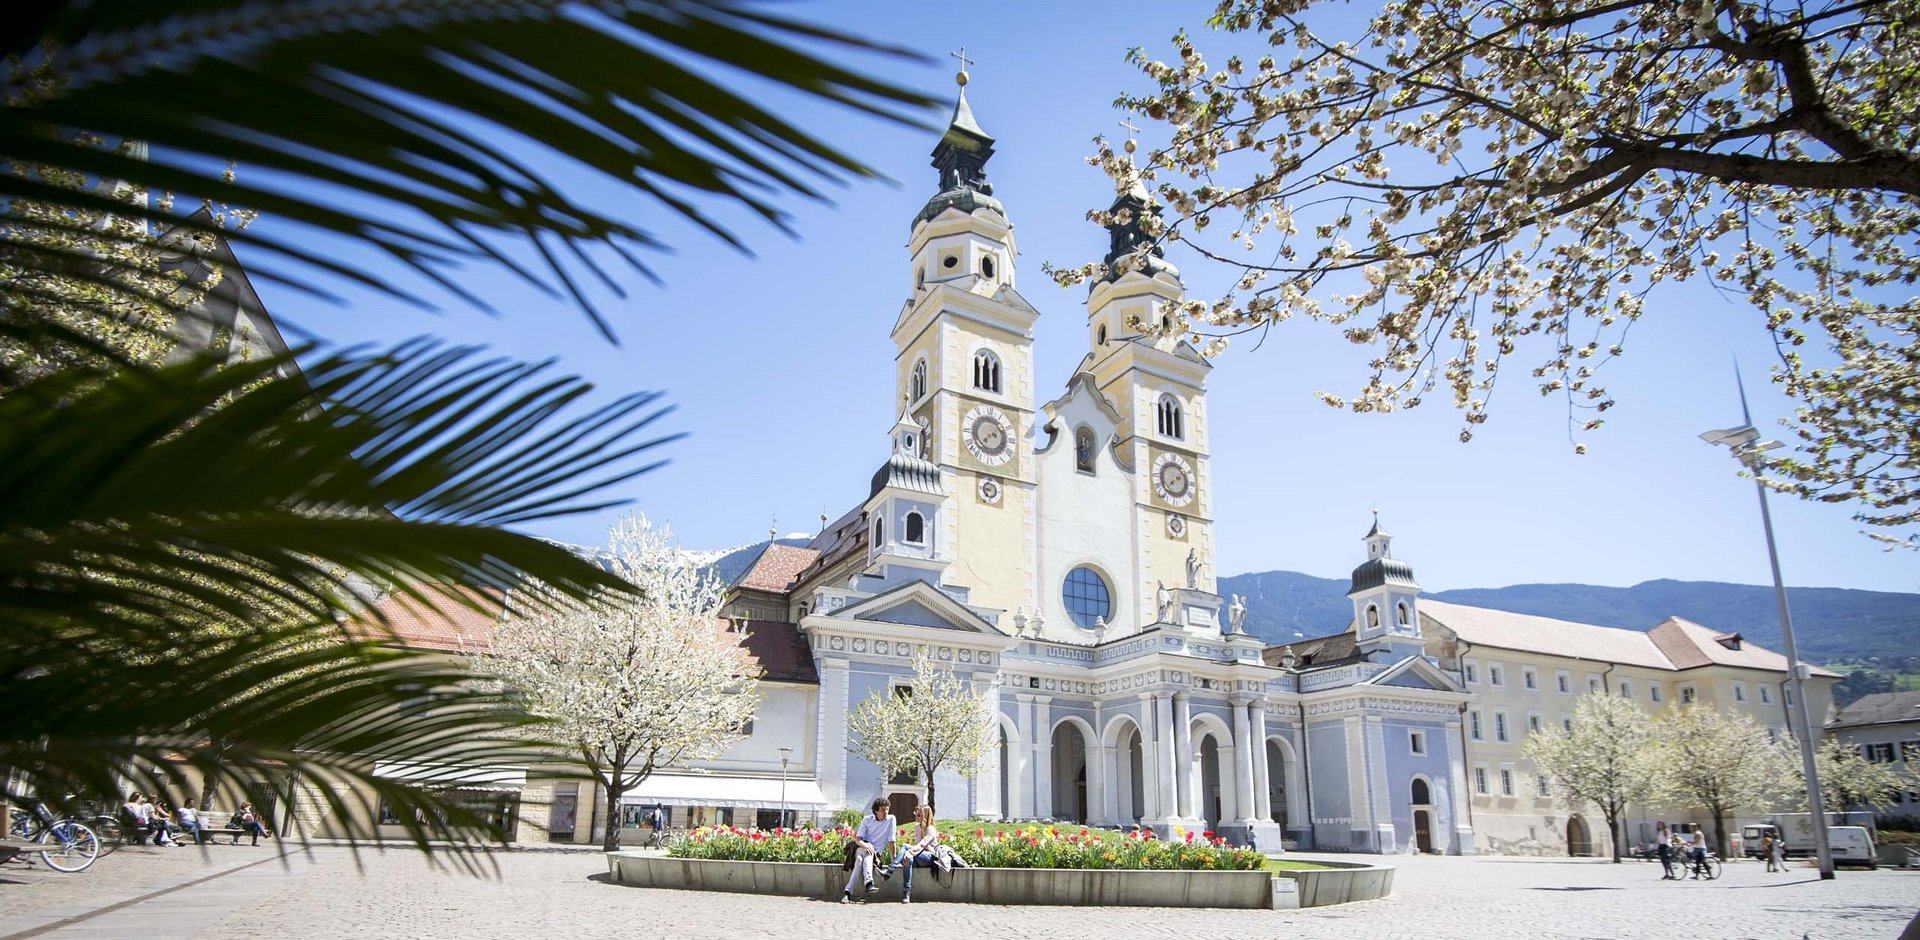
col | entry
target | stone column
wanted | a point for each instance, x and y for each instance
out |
(1043, 756)
(1020, 775)
(1149, 760)
(1166, 758)
(1184, 783)
(832, 746)
(1242, 762)
(987, 798)
(1457, 776)
(1262, 774)
(1109, 811)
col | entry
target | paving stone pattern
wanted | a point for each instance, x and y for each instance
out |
(331, 893)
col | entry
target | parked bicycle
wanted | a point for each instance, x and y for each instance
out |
(69, 844)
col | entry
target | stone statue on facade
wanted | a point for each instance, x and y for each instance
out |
(1193, 569)
(1163, 602)
(1237, 613)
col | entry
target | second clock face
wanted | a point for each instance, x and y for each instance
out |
(989, 435)
(1173, 479)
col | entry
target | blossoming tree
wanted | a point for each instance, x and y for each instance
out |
(939, 722)
(632, 682)
(1721, 762)
(1458, 183)
(1848, 779)
(1605, 759)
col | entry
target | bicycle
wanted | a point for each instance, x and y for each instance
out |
(1707, 868)
(71, 845)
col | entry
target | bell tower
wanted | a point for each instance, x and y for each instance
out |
(1386, 599)
(1158, 383)
(963, 365)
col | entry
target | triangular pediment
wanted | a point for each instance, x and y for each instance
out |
(1415, 672)
(919, 604)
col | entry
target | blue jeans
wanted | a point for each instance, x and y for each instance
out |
(923, 860)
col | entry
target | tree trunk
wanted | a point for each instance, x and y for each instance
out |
(928, 773)
(610, 841)
(1613, 831)
(1720, 829)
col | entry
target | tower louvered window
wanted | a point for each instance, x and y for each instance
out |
(1172, 419)
(986, 371)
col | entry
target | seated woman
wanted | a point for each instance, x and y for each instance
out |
(915, 854)
(247, 820)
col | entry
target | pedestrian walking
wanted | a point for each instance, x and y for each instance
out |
(1766, 850)
(1664, 849)
(1777, 858)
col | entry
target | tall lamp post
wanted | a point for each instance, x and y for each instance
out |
(1749, 449)
(786, 754)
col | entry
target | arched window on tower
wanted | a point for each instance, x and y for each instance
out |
(1403, 614)
(1100, 336)
(1172, 418)
(986, 370)
(986, 266)
(917, 381)
(1373, 613)
(1083, 449)
(879, 533)
(916, 529)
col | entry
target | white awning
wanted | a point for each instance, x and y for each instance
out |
(452, 776)
(716, 790)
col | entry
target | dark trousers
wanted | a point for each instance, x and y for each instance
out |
(254, 827)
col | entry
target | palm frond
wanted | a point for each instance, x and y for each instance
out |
(428, 129)
(194, 493)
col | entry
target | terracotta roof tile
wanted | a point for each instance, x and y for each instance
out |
(445, 618)
(1480, 626)
(776, 567)
(1690, 645)
(782, 651)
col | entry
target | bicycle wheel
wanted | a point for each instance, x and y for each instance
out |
(1712, 869)
(72, 847)
(106, 827)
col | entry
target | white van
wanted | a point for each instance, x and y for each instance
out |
(1851, 845)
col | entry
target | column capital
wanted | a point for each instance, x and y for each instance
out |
(1182, 696)
(1023, 696)
(1241, 700)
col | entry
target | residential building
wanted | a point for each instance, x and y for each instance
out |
(1885, 728)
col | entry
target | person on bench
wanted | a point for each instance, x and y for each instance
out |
(189, 821)
(247, 820)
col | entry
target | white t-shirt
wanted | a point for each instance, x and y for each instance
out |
(186, 815)
(876, 832)
(142, 813)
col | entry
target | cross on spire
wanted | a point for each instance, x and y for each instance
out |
(962, 56)
(1128, 124)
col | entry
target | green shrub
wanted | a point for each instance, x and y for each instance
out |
(847, 818)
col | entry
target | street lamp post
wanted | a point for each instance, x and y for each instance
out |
(1749, 449)
(786, 754)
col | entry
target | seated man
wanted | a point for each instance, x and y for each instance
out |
(873, 837)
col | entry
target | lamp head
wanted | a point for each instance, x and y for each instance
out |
(1735, 438)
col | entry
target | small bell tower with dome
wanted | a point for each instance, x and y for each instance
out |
(1386, 599)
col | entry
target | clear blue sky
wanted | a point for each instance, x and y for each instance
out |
(780, 364)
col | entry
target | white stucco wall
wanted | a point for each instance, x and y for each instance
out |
(1083, 519)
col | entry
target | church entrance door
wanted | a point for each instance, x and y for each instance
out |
(902, 805)
(1578, 841)
(1423, 831)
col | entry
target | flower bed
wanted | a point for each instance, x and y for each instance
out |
(1035, 847)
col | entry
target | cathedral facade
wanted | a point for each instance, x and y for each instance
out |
(1052, 543)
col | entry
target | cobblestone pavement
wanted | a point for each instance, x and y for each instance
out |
(330, 892)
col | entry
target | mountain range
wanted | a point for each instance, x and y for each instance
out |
(1832, 625)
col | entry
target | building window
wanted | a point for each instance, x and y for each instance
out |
(1626, 689)
(917, 381)
(1100, 335)
(1420, 794)
(1910, 752)
(1086, 596)
(1533, 721)
(1403, 614)
(986, 266)
(1480, 780)
(1495, 675)
(1739, 691)
(1880, 753)
(986, 371)
(1566, 724)
(1083, 449)
(1473, 725)
(1506, 782)
(1500, 726)
(879, 533)
(1172, 421)
(916, 529)
(746, 728)
(1540, 787)
(1593, 685)
(1653, 693)
(1529, 678)
(1766, 694)
(1373, 616)
(1468, 670)
(1686, 695)
(1417, 742)
(1564, 682)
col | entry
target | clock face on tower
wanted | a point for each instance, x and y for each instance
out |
(989, 435)
(1173, 479)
